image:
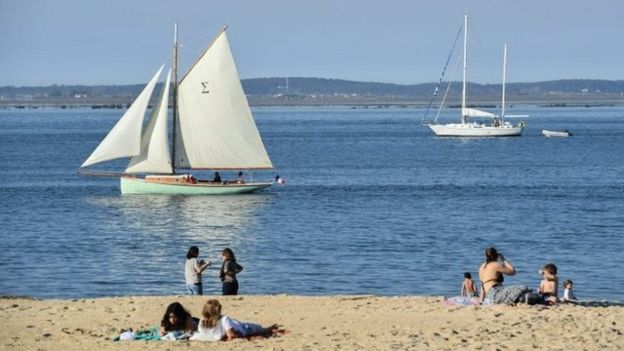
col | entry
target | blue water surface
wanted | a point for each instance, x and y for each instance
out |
(374, 204)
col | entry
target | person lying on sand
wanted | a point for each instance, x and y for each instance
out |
(177, 319)
(214, 325)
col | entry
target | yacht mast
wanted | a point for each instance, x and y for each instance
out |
(175, 94)
(504, 78)
(463, 111)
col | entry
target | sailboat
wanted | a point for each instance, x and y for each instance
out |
(213, 129)
(497, 128)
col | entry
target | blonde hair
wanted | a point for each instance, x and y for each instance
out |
(211, 313)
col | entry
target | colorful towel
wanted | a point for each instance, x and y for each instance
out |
(460, 301)
(144, 334)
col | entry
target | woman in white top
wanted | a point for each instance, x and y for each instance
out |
(214, 324)
(193, 270)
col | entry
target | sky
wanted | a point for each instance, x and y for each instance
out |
(45, 42)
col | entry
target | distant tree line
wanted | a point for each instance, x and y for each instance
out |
(328, 87)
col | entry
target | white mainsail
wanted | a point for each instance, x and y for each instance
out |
(155, 156)
(473, 112)
(124, 140)
(215, 128)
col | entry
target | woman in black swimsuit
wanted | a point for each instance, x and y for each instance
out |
(491, 276)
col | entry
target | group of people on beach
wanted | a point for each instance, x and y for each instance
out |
(491, 275)
(194, 268)
(178, 324)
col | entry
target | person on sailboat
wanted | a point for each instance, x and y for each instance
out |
(216, 178)
(240, 179)
(279, 180)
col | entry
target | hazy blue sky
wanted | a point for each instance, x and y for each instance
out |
(45, 42)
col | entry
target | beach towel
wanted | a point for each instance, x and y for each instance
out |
(144, 334)
(460, 301)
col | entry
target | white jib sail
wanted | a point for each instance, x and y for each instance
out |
(154, 156)
(215, 127)
(473, 112)
(124, 140)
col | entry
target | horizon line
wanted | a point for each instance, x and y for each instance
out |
(325, 78)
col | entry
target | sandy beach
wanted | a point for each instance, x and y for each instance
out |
(316, 323)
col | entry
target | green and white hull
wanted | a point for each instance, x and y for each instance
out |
(140, 186)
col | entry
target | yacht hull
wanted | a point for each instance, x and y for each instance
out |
(550, 133)
(474, 130)
(130, 185)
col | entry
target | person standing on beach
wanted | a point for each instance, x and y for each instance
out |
(193, 271)
(228, 272)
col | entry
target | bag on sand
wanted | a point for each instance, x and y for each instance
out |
(530, 298)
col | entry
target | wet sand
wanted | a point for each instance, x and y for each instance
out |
(316, 323)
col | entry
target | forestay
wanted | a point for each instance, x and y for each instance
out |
(215, 128)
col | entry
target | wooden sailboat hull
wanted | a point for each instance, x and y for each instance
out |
(130, 185)
(474, 130)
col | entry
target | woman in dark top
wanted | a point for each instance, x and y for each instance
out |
(228, 272)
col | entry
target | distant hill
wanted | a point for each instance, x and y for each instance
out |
(327, 91)
(310, 86)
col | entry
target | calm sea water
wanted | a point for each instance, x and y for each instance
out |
(374, 204)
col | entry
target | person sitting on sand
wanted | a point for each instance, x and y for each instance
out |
(213, 324)
(548, 284)
(568, 294)
(491, 273)
(178, 320)
(468, 288)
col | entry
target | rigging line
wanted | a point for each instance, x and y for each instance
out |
(448, 88)
(437, 88)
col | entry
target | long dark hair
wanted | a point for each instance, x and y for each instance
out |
(193, 251)
(491, 255)
(180, 312)
(229, 254)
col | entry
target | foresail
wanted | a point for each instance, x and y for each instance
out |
(473, 112)
(124, 140)
(215, 128)
(154, 156)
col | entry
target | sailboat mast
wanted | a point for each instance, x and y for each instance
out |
(504, 79)
(175, 95)
(463, 116)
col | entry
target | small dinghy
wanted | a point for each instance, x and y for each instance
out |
(556, 133)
